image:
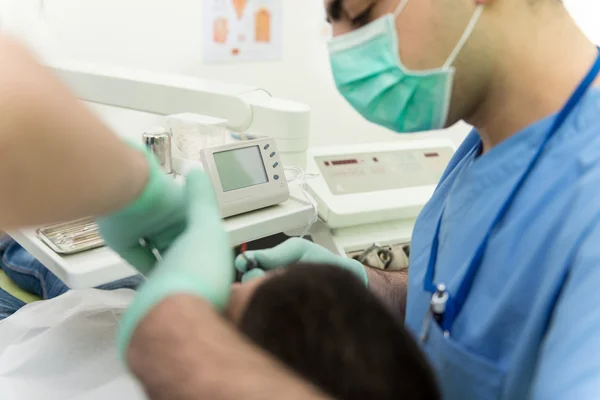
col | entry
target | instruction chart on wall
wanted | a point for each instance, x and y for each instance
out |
(242, 30)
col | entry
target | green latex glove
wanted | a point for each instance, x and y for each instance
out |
(158, 215)
(199, 262)
(296, 251)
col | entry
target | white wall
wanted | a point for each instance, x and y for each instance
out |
(587, 14)
(166, 36)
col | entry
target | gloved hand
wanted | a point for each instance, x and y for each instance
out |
(294, 251)
(199, 262)
(158, 215)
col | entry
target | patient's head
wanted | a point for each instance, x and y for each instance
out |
(323, 323)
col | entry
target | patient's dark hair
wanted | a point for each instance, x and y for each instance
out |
(324, 324)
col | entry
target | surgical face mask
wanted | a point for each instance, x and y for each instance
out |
(369, 73)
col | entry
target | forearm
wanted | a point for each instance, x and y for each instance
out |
(57, 160)
(391, 287)
(184, 350)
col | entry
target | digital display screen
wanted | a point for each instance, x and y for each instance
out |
(240, 168)
(344, 162)
(383, 170)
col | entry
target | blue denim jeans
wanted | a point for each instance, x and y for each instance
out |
(30, 275)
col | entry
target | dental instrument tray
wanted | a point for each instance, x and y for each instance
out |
(72, 237)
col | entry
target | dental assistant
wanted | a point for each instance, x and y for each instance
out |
(58, 161)
(505, 257)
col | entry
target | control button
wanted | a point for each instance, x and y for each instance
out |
(273, 154)
(267, 146)
(275, 165)
(276, 177)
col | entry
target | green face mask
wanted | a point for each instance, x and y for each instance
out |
(368, 72)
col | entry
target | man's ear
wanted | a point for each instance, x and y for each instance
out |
(353, 8)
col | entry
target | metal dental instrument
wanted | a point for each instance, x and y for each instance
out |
(363, 257)
(72, 237)
(250, 265)
(147, 244)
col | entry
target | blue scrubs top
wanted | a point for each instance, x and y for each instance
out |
(530, 327)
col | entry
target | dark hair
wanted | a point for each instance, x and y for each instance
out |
(324, 324)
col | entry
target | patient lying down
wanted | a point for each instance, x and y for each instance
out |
(326, 326)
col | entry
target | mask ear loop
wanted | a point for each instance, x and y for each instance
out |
(466, 35)
(400, 8)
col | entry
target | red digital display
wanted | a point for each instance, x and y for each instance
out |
(344, 162)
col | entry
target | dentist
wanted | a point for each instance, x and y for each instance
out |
(505, 255)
